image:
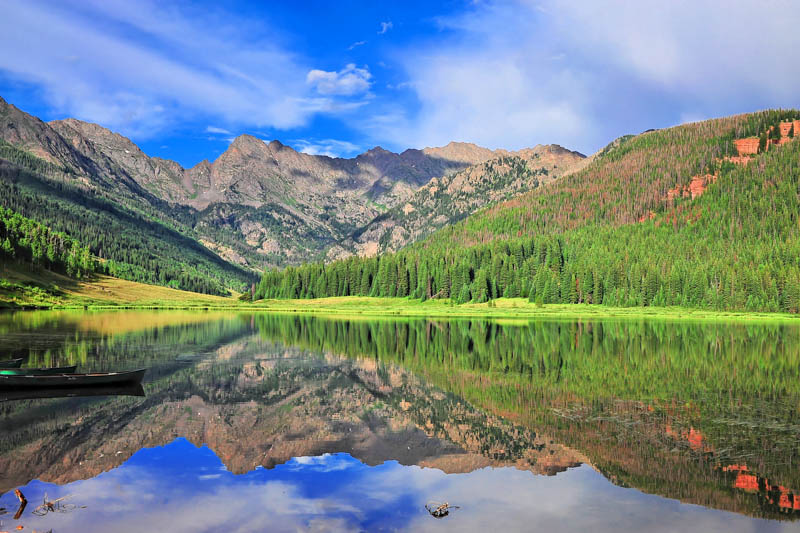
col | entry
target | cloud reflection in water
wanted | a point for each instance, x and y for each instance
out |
(182, 488)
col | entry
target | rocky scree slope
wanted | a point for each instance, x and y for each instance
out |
(451, 198)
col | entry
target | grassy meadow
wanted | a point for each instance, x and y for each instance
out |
(21, 287)
(25, 289)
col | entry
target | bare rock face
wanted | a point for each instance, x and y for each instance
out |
(160, 176)
(452, 197)
(34, 136)
(276, 206)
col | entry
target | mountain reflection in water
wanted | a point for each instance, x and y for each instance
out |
(183, 488)
(239, 406)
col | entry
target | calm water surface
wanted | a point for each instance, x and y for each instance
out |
(258, 422)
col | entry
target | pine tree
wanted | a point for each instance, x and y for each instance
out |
(762, 142)
(7, 248)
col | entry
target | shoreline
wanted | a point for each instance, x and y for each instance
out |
(357, 307)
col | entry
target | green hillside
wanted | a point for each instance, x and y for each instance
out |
(134, 239)
(612, 233)
(25, 240)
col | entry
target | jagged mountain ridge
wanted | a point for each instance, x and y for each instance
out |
(451, 198)
(251, 170)
(262, 204)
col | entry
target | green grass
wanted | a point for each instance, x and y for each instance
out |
(22, 288)
(503, 308)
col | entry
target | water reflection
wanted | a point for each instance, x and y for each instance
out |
(180, 487)
(702, 413)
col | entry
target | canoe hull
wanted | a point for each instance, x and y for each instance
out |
(72, 380)
(38, 371)
(11, 363)
(30, 393)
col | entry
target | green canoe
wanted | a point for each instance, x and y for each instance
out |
(29, 393)
(37, 371)
(104, 379)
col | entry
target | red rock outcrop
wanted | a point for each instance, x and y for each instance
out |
(693, 437)
(786, 127)
(746, 481)
(735, 468)
(787, 500)
(739, 160)
(699, 183)
(695, 188)
(747, 146)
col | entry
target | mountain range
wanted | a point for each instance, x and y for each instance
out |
(258, 205)
(699, 215)
(666, 217)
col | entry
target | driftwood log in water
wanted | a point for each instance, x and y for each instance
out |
(439, 510)
(22, 503)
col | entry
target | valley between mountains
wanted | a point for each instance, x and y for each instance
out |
(700, 216)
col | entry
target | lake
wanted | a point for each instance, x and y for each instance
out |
(265, 422)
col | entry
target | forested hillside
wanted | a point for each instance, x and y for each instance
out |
(662, 218)
(132, 243)
(25, 240)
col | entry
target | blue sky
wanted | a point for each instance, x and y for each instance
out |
(182, 79)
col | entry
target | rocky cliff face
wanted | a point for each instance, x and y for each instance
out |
(73, 153)
(159, 176)
(452, 197)
(264, 204)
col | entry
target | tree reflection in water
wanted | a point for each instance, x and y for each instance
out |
(706, 413)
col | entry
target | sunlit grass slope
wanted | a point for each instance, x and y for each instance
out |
(22, 286)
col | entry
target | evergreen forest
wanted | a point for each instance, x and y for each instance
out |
(611, 234)
(126, 239)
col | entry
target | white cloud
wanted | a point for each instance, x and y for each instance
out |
(326, 462)
(349, 81)
(502, 74)
(328, 147)
(514, 74)
(143, 68)
(356, 44)
(214, 129)
(691, 45)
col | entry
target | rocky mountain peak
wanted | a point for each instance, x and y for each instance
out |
(108, 141)
(286, 206)
(246, 142)
(462, 152)
(558, 149)
(378, 150)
